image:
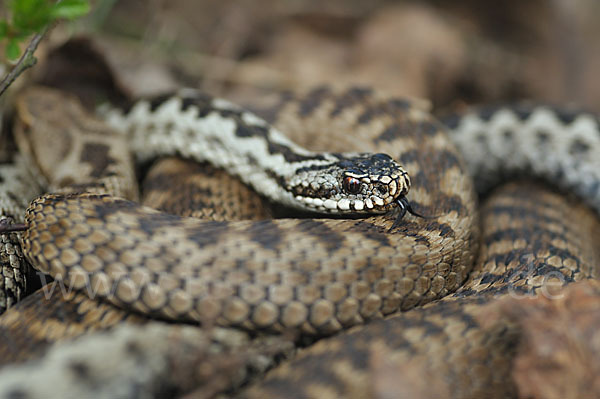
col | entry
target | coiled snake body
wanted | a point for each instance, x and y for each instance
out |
(310, 275)
(313, 275)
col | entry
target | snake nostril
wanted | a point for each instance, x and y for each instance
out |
(382, 190)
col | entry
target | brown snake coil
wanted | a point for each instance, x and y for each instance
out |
(355, 260)
(312, 275)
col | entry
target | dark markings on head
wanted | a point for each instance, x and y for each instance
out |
(97, 155)
(350, 98)
(313, 100)
(266, 233)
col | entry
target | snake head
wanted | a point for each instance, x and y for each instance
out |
(353, 183)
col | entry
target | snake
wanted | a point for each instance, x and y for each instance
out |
(313, 275)
(242, 273)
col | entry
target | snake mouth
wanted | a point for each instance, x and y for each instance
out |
(346, 205)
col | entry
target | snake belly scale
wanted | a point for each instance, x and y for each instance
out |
(310, 275)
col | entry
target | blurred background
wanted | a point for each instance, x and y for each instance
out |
(450, 52)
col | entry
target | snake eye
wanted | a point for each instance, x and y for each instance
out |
(351, 184)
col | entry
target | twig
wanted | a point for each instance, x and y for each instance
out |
(26, 61)
(11, 228)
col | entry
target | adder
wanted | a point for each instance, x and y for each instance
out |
(315, 276)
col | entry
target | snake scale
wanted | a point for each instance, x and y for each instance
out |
(316, 276)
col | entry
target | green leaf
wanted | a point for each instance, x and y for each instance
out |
(12, 50)
(30, 15)
(70, 9)
(3, 29)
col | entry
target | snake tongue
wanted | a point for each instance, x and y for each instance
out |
(404, 206)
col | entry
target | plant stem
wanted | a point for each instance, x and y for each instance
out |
(12, 228)
(26, 61)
